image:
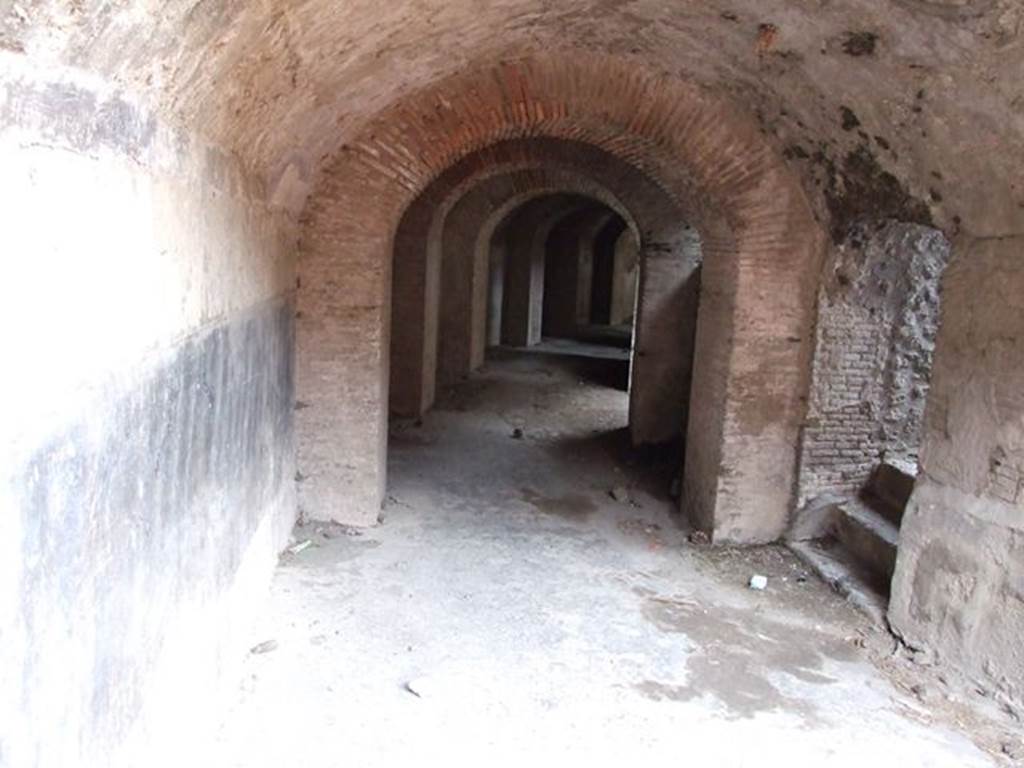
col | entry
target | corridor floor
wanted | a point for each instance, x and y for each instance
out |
(510, 608)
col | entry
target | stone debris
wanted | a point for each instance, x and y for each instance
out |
(265, 647)
(758, 582)
(333, 530)
(417, 688)
(517, 434)
(298, 547)
(639, 525)
(1013, 749)
(619, 493)
(699, 538)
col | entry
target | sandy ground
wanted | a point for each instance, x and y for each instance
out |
(509, 608)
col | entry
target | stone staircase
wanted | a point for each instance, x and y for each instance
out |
(851, 543)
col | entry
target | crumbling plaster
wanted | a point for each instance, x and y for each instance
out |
(878, 315)
(958, 592)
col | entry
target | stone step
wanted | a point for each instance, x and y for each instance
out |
(871, 539)
(838, 569)
(888, 491)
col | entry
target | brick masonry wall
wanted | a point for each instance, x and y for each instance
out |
(660, 381)
(664, 337)
(877, 321)
(841, 440)
(624, 280)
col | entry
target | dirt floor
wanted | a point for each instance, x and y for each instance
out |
(531, 593)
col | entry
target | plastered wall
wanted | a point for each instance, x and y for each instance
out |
(958, 591)
(146, 412)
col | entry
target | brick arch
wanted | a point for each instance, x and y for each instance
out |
(762, 251)
(463, 243)
(417, 243)
(519, 231)
(563, 298)
(417, 249)
(668, 300)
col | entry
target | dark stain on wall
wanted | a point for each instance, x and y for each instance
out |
(147, 504)
(848, 119)
(860, 43)
(79, 119)
(858, 188)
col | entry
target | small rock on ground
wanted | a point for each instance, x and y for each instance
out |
(619, 493)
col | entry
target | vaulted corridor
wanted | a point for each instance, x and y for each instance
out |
(622, 349)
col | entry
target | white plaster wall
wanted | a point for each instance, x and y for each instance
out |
(126, 244)
(114, 246)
